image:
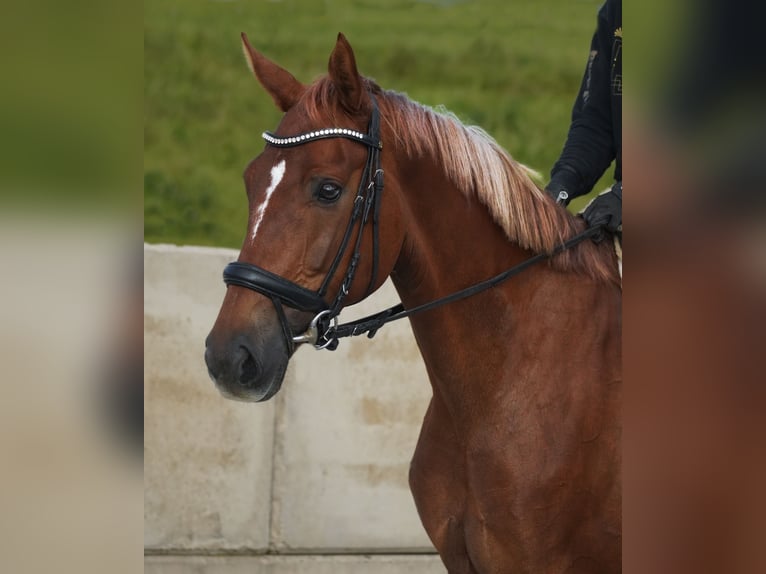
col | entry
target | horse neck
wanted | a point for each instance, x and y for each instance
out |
(450, 238)
(452, 242)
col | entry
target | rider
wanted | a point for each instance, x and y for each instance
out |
(595, 134)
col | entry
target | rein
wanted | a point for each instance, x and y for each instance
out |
(324, 332)
(372, 323)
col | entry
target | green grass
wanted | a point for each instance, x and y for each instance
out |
(510, 66)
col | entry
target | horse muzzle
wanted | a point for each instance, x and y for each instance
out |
(245, 370)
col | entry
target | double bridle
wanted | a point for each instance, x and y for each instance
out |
(366, 208)
(324, 331)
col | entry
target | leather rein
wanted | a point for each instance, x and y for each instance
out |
(324, 331)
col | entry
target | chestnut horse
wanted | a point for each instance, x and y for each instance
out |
(517, 468)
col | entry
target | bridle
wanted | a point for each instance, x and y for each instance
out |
(324, 331)
(366, 207)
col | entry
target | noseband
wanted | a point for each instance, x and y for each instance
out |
(366, 203)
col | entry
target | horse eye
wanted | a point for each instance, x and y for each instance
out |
(329, 192)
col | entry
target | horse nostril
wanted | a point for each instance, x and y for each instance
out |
(248, 368)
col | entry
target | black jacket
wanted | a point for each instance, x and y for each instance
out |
(595, 135)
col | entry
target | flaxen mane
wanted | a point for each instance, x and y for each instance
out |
(478, 165)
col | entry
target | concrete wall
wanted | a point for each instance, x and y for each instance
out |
(320, 469)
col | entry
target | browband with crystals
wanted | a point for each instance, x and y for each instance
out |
(354, 135)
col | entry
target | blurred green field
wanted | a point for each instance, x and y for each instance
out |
(510, 66)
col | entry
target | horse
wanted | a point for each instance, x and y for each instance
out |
(517, 466)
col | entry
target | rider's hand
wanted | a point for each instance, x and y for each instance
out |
(606, 210)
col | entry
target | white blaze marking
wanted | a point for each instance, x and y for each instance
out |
(277, 173)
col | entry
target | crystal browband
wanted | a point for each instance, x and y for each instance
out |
(354, 135)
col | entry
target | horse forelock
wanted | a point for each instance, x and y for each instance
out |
(476, 164)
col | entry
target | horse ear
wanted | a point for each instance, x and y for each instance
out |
(343, 73)
(279, 83)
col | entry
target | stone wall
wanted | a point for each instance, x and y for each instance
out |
(321, 469)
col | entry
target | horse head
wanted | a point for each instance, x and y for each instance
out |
(312, 244)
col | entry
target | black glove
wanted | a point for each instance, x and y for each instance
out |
(606, 210)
